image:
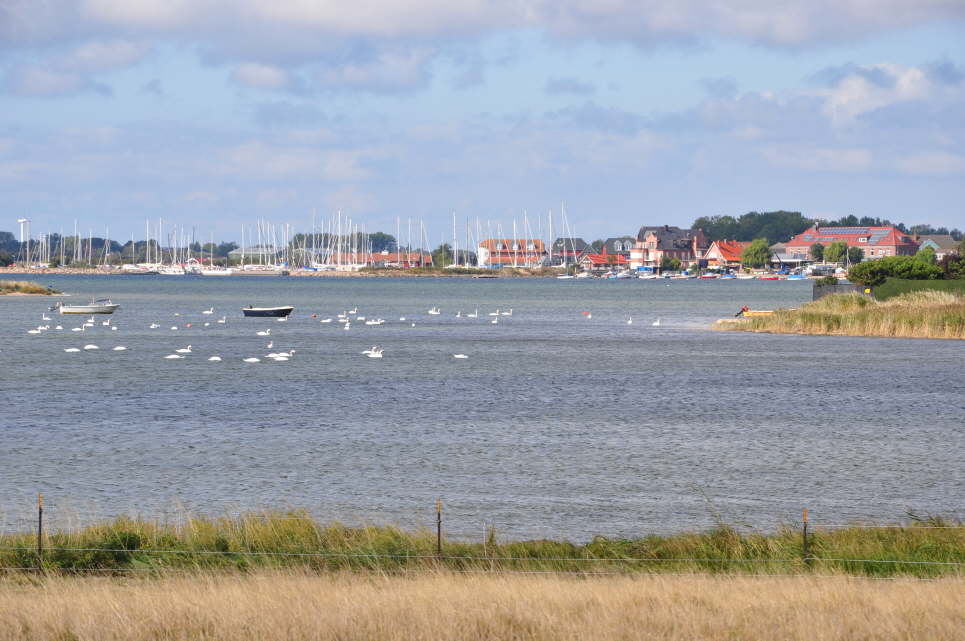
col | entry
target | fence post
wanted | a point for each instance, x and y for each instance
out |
(439, 527)
(805, 553)
(40, 532)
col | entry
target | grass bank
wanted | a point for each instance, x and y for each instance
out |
(24, 287)
(299, 606)
(920, 314)
(293, 540)
(897, 286)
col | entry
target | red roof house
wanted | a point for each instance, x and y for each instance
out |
(875, 242)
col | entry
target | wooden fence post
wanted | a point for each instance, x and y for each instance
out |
(439, 527)
(40, 532)
(805, 552)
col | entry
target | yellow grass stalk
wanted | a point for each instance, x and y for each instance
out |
(427, 606)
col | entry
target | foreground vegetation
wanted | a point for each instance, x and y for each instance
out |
(294, 540)
(896, 286)
(24, 287)
(920, 314)
(297, 605)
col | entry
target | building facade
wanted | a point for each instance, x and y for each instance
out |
(875, 242)
(725, 253)
(653, 244)
(511, 252)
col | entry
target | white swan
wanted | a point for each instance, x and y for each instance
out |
(354, 310)
(459, 356)
(251, 359)
(215, 358)
(77, 329)
(33, 331)
(287, 354)
(509, 313)
(629, 320)
(59, 327)
(210, 310)
(184, 350)
(106, 323)
(401, 319)
(71, 350)
(494, 321)
(44, 317)
(283, 319)
(325, 320)
(265, 332)
(656, 323)
(223, 320)
(120, 348)
(207, 324)
(173, 356)
(91, 347)
(495, 313)
(174, 328)
(280, 359)
(347, 326)
(153, 326)
(475, 314)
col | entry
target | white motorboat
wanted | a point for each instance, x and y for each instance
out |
(101, 306)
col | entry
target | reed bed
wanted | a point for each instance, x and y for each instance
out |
(24, 287)
(920, 314)
(295, 605)
(292, 539)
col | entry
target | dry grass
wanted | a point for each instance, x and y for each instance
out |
(421, 607)
(921, 314)
(24, 287)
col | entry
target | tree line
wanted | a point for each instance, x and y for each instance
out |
(780, 226)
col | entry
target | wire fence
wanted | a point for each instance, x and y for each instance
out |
(50, 554)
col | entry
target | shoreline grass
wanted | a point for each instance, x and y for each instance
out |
(24, 287)
(274, 540)
(919, 314)
(296, 605)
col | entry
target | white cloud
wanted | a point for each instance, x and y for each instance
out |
(261, 76)
(97, 56)
(934, 163)
(856, 93)
(35, 82)
(817, 158)
(390, 71)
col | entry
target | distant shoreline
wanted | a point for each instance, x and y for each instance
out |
(372, 273)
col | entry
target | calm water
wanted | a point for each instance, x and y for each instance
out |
(556, 425)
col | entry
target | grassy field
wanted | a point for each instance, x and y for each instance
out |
(295, 605)
(920, 314)
(896, 286)
(286, 540)
(24, 287)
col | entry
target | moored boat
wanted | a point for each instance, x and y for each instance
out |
(101, 306)
(268, 311)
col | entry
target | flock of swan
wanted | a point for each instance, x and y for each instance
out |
(345, 319)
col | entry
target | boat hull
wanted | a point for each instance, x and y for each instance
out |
(261, 312)
(88, 309)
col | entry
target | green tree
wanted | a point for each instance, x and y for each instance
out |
(855, 255)
(597, 246)
(817, 252)
(6, 259)
(961, 248)
(382, 241)
(442, 255)
(670, 264)
(835, 252)
(927, 254)
(757, 254)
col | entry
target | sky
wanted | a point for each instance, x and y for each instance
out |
(214, 114)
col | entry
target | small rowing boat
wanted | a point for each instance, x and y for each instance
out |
(261, 312)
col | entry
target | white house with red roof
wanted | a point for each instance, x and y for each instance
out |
(511, 252)
(875, 242)
(725, 253)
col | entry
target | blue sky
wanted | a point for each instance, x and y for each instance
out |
(213, 114)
